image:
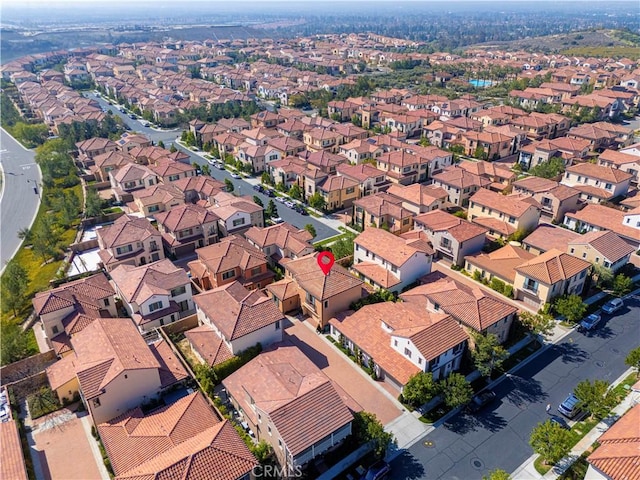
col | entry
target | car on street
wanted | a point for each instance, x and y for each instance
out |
(132, 116)
(289, 203)
(561, 422)
(277, 220)
(219, 165)
(269, 193)
(589, 323)
(301, 210)
(613, 306)
(479, 401)
(258, 188)
(235, 175)
(145, 124)
(211, 161)
(280, 199)
(378, 471)
(569, 408)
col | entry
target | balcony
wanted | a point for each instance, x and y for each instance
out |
(530, 288)
(445, 247)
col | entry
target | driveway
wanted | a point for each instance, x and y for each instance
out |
(53, 435)
(346, 374)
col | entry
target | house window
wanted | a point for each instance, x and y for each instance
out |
(407, 352)
(531, 285)
(96, 402)
(419, 360)
(277, 324)
(178, 291)
(572, 250)
(154, 208)
(394, 269)
(256, 271)
(228, 274)
(350, 190)
(584, 254)
(155, 306)
(395, 343)
(269, 429)
(54, 330)
(280, 444)
(512, 220)
(606, 264)
(608, 186)
(582, 275)
(238, 221)
(125, 249)
(436, 306)
(326, 304)
(106, 302)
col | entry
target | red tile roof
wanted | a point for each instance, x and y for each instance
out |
(208, 344)
(438, 220)
(502, 262)
(86, 293)
(552, 266)
(607, 243)
(11, 460)
(390, 247)
(138, 284)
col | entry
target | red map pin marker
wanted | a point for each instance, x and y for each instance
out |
(325, 261)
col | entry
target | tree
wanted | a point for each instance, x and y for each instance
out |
(317, 201)
(44, 239)
(537, 323)
(257, 201)
(15, 281)
(272, 210)
(295, 191)
(549, 169)
(420, 389)
(160, 143)
(596, 398)
(14, 343)
(206, 169)
(265, 179)
(571, 307)
(488, 354)
(93, 203)
(497, 474)
(70, 207)
(455, 390)
(367, 428)
(25, 234)
(173, 148)
(622, 285)
(311, 229)
(633, 358)
(550, 441)
(602, 275)
(228, 185)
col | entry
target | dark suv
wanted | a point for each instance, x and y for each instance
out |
(378, 471)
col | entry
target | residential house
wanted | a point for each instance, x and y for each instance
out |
(498, 264)
(237, 214)
(199, 188)
(459, 184)
(382, 210)
(487, 145)
(318, 138)
(89, 297)
(370, 179)
(114, 369)
(622, 161)
(156, 199)
(419, 198)
(600, 136)
(357, 151)
(169, 170)
(603, 248)
(129, 178)
(499, 176)
(154, 294)
(186, 228)
(240, 318)
(233, 259)
(452, 237)
(322, 296)
(288, 402)
(12, 460)
(555, 199)
(503, 215)
(616, 456)
(257, 156)
(403, 167)
(338, 191)
(566, 148)
(472, 307)
(597, 183)
(107, 162)
(389, 262)
(398, 340)
(280, 241)
(129, 240)
(550, 275)
(89, 149)
(323, 160)
(184, 438)
(546, 237)
(599, 217)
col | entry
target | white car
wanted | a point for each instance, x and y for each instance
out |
(277, 220)
(280, 199)
(289, 203)
(235, 175)
(211, 161)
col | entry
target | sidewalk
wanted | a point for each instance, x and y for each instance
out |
(527, 470)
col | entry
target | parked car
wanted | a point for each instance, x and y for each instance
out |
(480, 400)
(280, 199)
(235, 175)
(132, 116)
(589, 323)
(220, 166)
(258, 188)
(561, 422)
(378, 471)
(269, 193)
(277, 220)
(301, 210)
(145, 124)
(289, 203)
(569, 408)
(211, 161)
(613, 306)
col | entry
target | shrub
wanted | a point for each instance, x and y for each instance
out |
(497, 285)
(477, 276)
(508, 291)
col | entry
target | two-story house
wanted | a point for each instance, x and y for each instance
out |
(370, 179)
(550, 275)
(238, 317)
(129, 178)
(473, 308)
(398, 340)
(288, 402)
(459, 184)
(382, 210)
(555, 199)
(60, 307)
(237, 214)
(622, 161)
(106, 162)
(403, 167)
(114, 369)
(169, 170)
(597, 183)
(233, 259)
(604, 248)
(199, 188)
(155, 294)
(386, 261)
(156, 199)
(186, 228)
(280, 241)
(419, 198)
(503, 215)
(129, 240)
(452, 237)
(89, 149)
(338, 191)
(321, 296)
(548, 236)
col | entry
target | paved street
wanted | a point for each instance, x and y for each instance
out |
(18, 201)
(242, 187)
(468, 447)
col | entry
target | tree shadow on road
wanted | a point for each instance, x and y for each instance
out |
(407, 466)
(570, 352)
(524, 391)
(487, 419)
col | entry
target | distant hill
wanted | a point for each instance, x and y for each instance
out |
(605, 43)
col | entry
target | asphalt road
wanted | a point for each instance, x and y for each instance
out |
(18, 200)
(242, 187)
(469, 446)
